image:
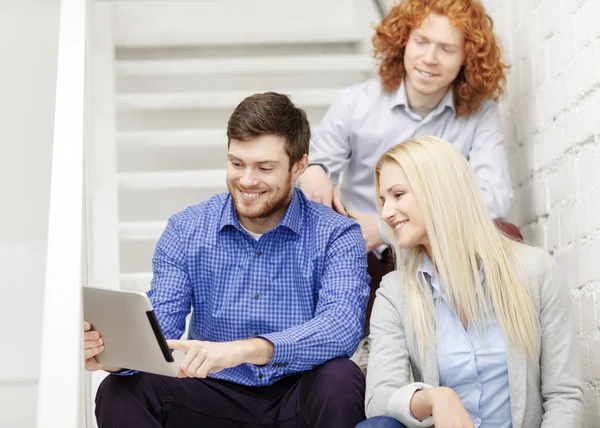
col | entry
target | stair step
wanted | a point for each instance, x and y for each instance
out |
(251, 65)
(204, 179)
(175, 137)
(218, 100)
(141, 230)
(210, 23)
(137, 281)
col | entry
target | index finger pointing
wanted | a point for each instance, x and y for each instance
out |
(179, 345)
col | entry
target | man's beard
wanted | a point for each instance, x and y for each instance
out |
(273, 204)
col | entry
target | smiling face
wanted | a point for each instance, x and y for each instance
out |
(433, 58)
(400, 209)
(260, 181)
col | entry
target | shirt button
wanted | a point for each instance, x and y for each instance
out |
(476, 384)
(260, 376)
(259, 253)
(256, 295)
(285, 364)
(256, 333)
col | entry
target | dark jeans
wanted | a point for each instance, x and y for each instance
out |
(330, 396)
(380, 422)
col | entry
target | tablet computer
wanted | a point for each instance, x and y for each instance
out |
(132, 336)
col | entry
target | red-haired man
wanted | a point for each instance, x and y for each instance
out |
(440, 74)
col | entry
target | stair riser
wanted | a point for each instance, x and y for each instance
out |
(235, 51)
(261, 81)
(151, 205)
(128, 120)
(136, 256)
(139, 158)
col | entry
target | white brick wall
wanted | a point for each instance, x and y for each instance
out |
(552, 120)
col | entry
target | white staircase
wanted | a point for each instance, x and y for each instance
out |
(173, 97)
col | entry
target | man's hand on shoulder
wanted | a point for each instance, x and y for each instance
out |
(318, 188)
(369, 224)
(202, 358)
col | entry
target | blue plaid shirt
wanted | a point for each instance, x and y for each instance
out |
(303, 285)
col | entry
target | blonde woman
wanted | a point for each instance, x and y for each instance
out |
(479, 320)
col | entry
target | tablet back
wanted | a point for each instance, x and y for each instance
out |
(132, 337)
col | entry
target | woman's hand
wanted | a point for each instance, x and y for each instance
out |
(444, 405)
(447, 409)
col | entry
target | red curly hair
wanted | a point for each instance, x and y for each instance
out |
(482, 75)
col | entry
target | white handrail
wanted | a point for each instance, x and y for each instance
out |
(60, 387)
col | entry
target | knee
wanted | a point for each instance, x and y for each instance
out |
(341, 376)
(119, 389)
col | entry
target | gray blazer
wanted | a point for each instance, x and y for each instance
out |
(545, 392)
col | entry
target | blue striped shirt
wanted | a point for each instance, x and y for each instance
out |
(303, 285)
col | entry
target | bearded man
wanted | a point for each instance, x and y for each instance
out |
(278, 286)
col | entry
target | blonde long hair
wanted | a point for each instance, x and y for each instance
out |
(463, 238)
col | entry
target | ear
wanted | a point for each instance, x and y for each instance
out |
(299, 168)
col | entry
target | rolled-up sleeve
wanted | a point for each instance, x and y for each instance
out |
(489, 161)
(330, 143)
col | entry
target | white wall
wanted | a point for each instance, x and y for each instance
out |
(388, 4)
(552, 117)
(28, 48)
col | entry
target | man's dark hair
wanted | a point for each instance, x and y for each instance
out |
(271, 114)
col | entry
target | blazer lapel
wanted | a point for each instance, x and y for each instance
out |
(431, 374)
(427, 370)
(517, 375)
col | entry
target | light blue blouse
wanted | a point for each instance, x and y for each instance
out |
(472, 363)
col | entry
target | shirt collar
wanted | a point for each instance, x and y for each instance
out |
(399, 98)
(425, 268)
(291, 220)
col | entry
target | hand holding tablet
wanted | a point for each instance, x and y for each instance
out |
(121, 331)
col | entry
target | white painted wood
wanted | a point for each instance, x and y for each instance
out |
(387, 5)
(141, 230)
(206, 179)
(218, 100)
(137, 281)
(175, 137)
(246, 65)
(102, 157)
(226, 22)
(59, 394)
(101, 173)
